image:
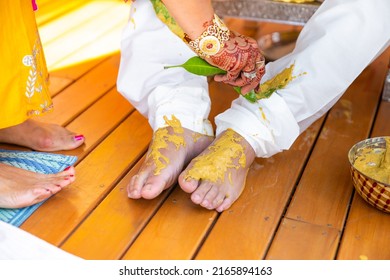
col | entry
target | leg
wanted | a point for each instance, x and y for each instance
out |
(171, 149)
(328, 52)
(24, 80)
(21, 188)
(175, 102)
(217, 176)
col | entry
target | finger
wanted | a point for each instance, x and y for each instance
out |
(249, 87)
(260, 62)
(230, 76)
(254, 84)
(250, 65)
(242, 80)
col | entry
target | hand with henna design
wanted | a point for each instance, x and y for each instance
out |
(242, 59)
(237, 54)
(208, 36)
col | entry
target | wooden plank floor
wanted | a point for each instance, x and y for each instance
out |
(299, 204)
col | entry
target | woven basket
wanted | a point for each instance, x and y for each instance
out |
(374, 192)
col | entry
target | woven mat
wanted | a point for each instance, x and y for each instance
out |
(39, 162)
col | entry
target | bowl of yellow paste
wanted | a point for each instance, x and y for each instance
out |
(370, 170)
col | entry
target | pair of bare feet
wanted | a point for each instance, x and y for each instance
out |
(216, 171)
(19, 187)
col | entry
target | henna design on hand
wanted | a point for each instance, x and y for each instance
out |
(242, 59)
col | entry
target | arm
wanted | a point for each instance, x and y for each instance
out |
(207, 35)
(191, 15)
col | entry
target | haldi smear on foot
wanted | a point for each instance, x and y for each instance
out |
(213, 166)
(375, 162)
(162, 138)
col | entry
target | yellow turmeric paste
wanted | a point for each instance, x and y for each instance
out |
(162, 137)
(375, 162)
(279, 81)
(224, 153)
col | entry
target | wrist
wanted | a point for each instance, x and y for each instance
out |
(211, 40)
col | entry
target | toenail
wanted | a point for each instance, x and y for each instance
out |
(205, 203)
(133, 194)
(67, 168)
(78, 137)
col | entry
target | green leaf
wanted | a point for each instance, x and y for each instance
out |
(250, 96)
(198, 66)
(267, 93)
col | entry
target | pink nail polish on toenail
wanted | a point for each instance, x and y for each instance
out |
(79, 137)
(67, 168)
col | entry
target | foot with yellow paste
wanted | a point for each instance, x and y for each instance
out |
(20, 188)
(172, 147)
(41, 136)
(217, 176)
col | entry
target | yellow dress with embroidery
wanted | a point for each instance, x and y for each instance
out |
(23, 74)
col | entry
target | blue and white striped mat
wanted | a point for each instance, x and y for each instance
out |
(46, 163)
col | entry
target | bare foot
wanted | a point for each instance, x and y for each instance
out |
(171, 149)
(41, 136)
(21, 188)
(217, 176)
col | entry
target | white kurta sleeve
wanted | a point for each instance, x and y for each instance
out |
(333, 48)
(148, 46)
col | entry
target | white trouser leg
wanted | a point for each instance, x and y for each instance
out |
(147, 46)
(334, 47)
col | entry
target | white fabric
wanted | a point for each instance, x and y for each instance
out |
(16, 244)
(334, 47)
(147, 46)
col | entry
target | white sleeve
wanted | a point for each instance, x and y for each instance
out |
(147, 46)
(333, 48)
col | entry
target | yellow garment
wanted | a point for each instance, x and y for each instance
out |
(24, 78)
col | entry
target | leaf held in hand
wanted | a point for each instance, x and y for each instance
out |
(250, 96)
(198, 66)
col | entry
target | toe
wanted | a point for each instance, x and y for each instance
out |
(152, 189)
(226, 203)
(38, 195)
(210, 197)
(198, 196)
(188, 185)
(74, 141)
(218, 200)
(134, 187)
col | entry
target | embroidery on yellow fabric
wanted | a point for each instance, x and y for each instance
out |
(35, 82)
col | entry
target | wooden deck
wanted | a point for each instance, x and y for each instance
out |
(299, 204)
